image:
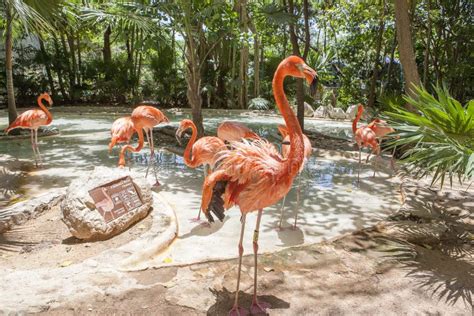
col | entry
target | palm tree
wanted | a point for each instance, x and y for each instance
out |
(29, 15)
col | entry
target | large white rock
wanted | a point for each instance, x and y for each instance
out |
(351, 112)
(81, 214)
(308, 110)
(321, 112)
(337, 113)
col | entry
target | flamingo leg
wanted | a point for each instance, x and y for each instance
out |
(377, 157)
(298, 194)
(206, 172)
(281, 212)
(149, 144)
(33, 147)
(236, 310)
(358, 170)
(153, 157)
(37, 147)
(257, 307)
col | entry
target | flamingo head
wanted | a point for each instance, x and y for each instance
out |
(184, 125)
(47, 97)
(296, 67)
(380, 127)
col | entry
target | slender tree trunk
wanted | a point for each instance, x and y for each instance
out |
(232, 73)
(12, 113)
(256, 65)
(427, 47)
(107, 53)
(193, 67)
(68, 66)
(72, 50)
(47, 67)
(244, 56)
(57, 65)
(378, 48)
(79, 59)
(392, 57)
(405, 46)
(296, 51)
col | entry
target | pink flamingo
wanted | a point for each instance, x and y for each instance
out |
(32, 120)
(144, 118)
(253, 177)
(199, 152)
(122, 131)
(365, 137)
(285, 150)
(234, 131)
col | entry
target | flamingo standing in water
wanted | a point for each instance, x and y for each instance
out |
(122, 131)
(199, 152)
(365, 137)
(253, 175)
(32, 120)
(144, 118)
(234, 132)
(285, 150)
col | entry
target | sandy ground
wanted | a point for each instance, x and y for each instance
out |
(46, 241)
(359, 274)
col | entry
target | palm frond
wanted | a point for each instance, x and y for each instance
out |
(439, 138)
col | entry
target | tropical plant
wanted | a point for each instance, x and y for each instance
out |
(31, 15)
(438, 138)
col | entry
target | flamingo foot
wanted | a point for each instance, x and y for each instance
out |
(294, 227)
(238, 311)
(259, 307)
(280, 229)
(157, 184)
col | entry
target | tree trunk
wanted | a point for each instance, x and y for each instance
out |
(378, 48)
(244, 56)
(68, 65)
(57, 65)
(256, 66)
(47, 67)
(107, 53)
(79, 59)
(232, 74)
(72, 50)
(296, 51)
(427, 47)
(392, 57)
(12, 113)
(405, 46)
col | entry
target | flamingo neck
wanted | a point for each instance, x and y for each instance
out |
(296, 154)
(44, 109)
(188, 160)
(357, 118)
(139, 147)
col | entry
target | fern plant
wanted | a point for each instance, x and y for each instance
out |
(438, 138)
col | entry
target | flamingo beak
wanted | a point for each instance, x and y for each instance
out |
(178, 135)
(312, 78)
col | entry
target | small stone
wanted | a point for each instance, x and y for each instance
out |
(68, 249)
(268, 269)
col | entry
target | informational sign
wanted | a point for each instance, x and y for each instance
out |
(116, 198)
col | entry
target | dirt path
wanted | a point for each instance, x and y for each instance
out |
(359, 274)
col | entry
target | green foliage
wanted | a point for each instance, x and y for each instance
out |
(439, 136)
